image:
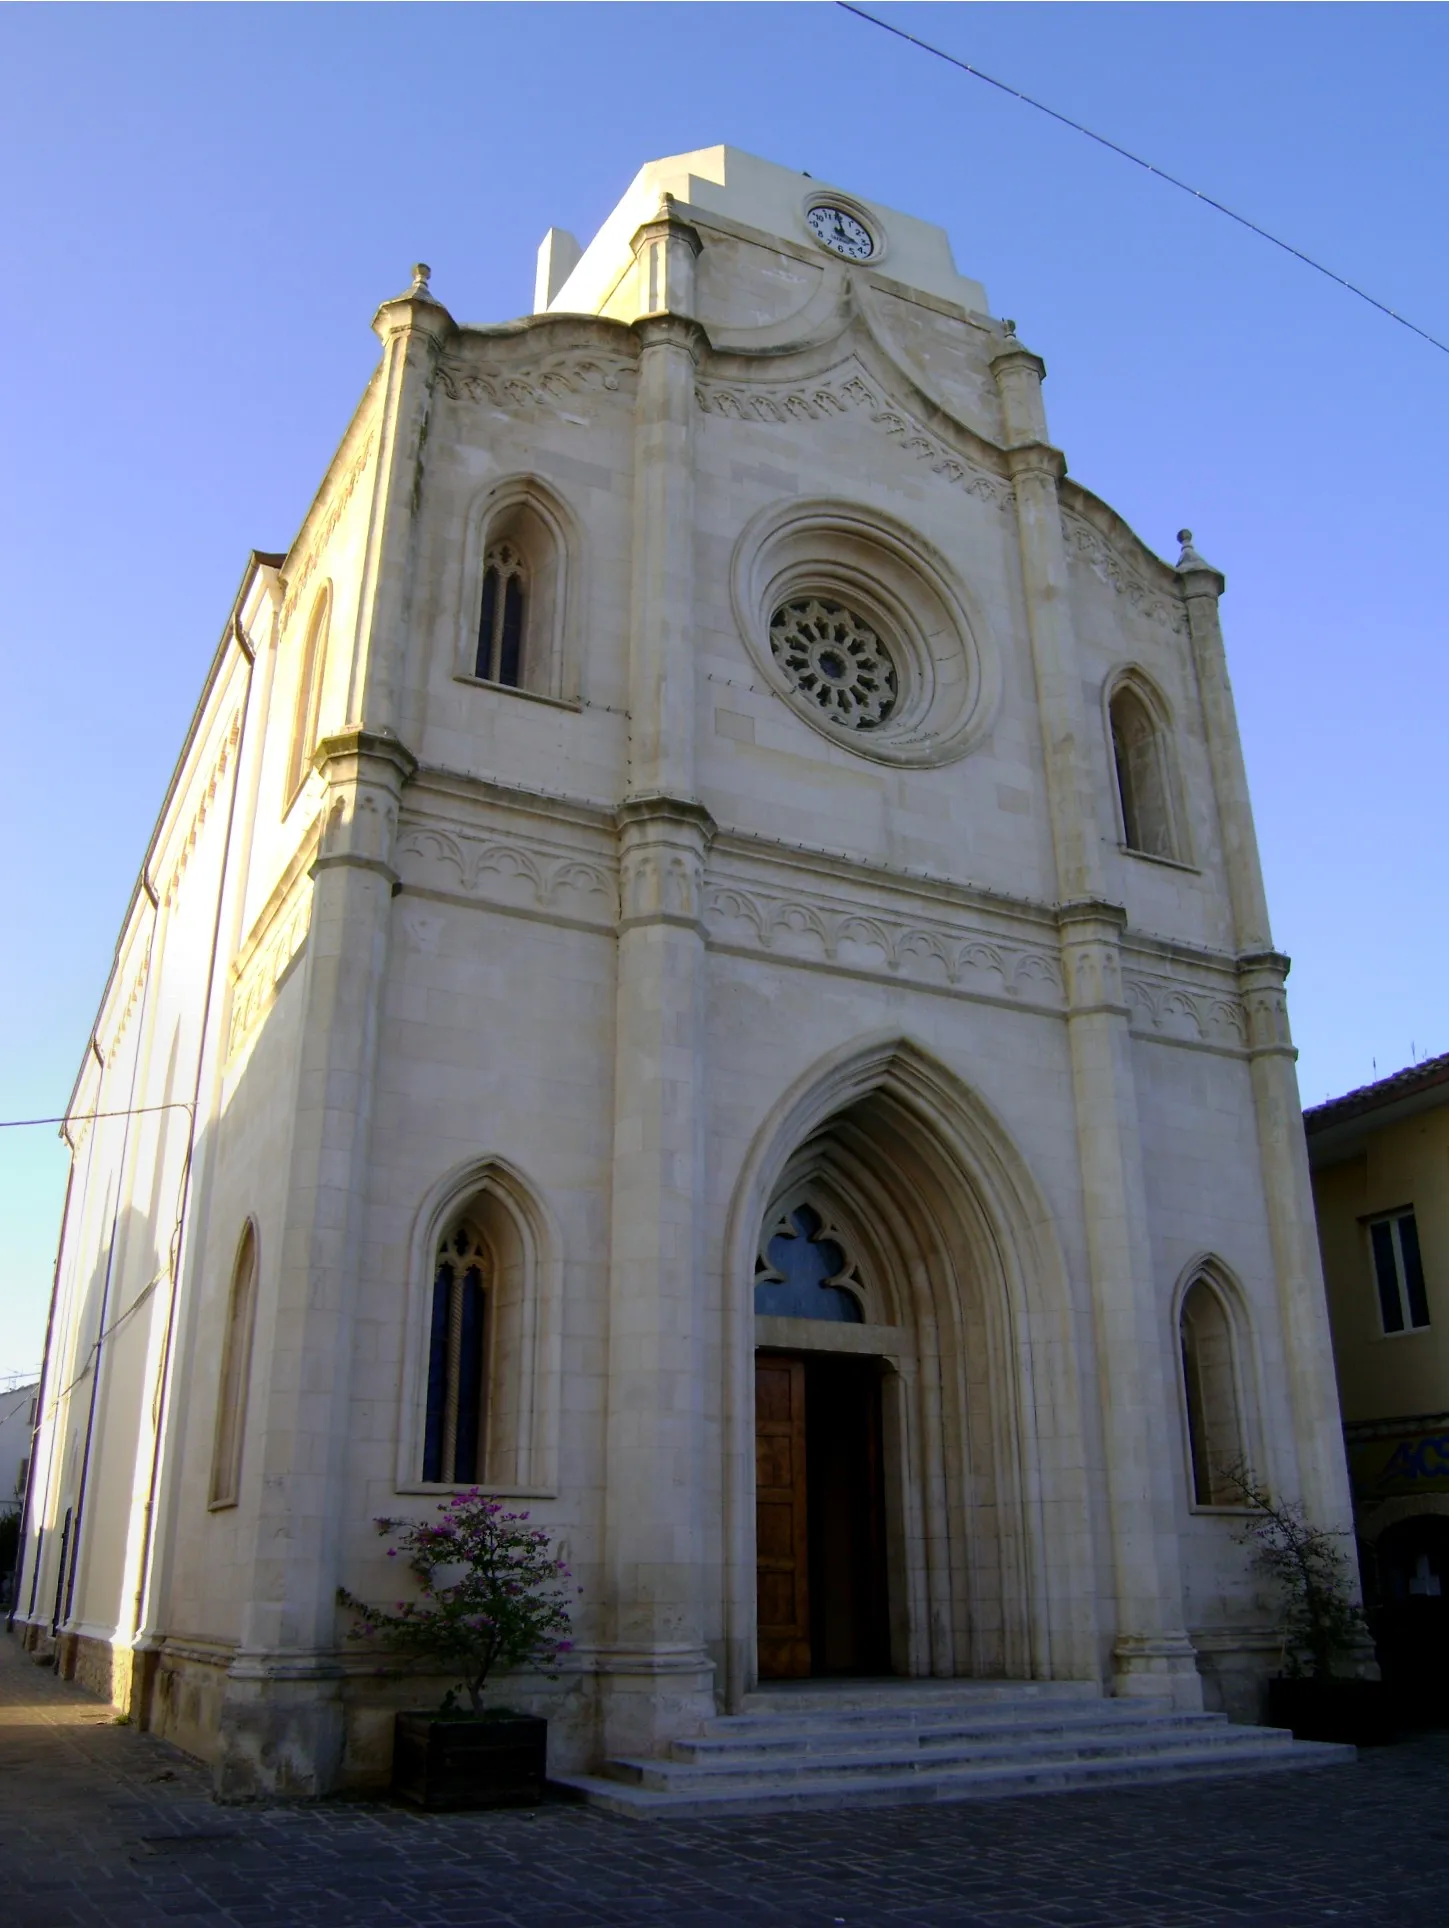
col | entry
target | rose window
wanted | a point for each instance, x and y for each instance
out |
(835, 660)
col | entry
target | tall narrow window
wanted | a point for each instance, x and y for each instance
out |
(1139, 754)
(309, 695)
(502, 618)
(236, 1361)
(1214, 1424)
(455, 1430)
(1399, 1272)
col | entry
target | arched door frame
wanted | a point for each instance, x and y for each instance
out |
(1022, 1296)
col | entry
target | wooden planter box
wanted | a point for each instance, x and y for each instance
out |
(1357, 1711)
(491, 1760)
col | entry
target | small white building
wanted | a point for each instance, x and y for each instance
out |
(704, 967)
(17, 1424)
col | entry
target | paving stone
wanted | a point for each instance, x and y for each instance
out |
(91, 1838)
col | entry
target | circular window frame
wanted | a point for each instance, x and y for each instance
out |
(817, 648)
(947, 665)
(867, 217)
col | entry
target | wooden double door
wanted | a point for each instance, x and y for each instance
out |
(819, 1516)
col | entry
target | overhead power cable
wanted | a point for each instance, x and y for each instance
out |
(1197, 194)
(87, 1117)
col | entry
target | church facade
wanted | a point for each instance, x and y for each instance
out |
(704, 968)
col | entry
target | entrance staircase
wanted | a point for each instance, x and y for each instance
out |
(818, 1744)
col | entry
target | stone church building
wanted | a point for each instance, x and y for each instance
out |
(703, 967)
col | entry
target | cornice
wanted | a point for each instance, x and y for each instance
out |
(671, 221)
(853, 330)
(356, 743)
(851, 387)
(657, 808)
(673, 331)
(1014, 352)
(1035, 459)
(561, 332)
(433, 781)
(360, 428)
(1119, 534)
(774, 854)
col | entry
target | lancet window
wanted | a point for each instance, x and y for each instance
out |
(455, 1431)
(236, 1359)
(1140, 755)
(308, 710)
(1214, 1419)
(503, 617)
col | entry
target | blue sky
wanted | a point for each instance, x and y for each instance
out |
(204, 206)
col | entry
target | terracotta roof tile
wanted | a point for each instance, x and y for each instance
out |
(1407, 1083)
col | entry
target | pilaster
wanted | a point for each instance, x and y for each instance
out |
(413, 329)
(1201, 586)
(656, 1674)
(655, 1506)
(281, 1724)
(1292, 1231)
(1036, 470)
(661, 651)
(1283, 1152)
(1151, 1654)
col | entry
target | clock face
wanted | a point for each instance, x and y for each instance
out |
(841, 232)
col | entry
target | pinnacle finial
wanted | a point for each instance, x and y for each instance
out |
(1009, 328)
(420, 291)
(1189, 559)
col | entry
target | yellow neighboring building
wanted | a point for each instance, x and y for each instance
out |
(1380, 1163)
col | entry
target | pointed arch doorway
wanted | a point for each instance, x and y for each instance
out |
(908, 1325)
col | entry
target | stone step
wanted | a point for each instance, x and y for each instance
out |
(768, 1794)
(772, 1740)
(993, 1716)
(794, 1698)
(684, 1775)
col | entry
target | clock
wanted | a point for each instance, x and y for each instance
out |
(841, 231)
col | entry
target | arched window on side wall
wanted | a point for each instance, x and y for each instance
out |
(311, 670)
(519, 590)
(1215, 1432)
(236, 1363)
(504, 615)
(481, 1382)
(456, 1428)
(1141, 760)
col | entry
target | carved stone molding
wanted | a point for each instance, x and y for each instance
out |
(1089, 547)
(1092, 955)
(836, 931)
(365, 771)
(133, 998)
(1166, 1007)
(511, 870)
(323, 533)
(663, 845)
(1261, 976)
(1036, 464)
(260, 977)
(172, 889)
(545, 384)
(852, 394)
(672, 331)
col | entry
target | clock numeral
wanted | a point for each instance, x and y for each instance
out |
(841, 232)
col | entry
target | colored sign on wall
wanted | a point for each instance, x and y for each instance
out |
(1395, 1464)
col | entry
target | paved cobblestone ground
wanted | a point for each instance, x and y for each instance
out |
(102, 1825)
